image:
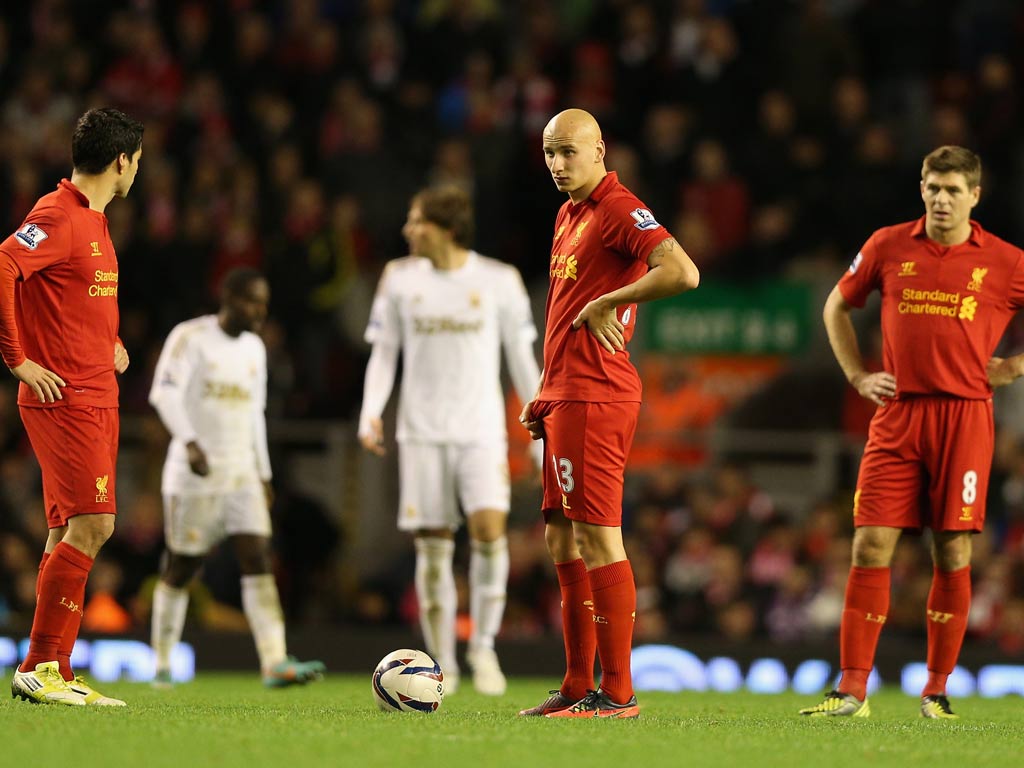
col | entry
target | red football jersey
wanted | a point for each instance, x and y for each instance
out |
(600, 244)
(944, 309)
(66, 302)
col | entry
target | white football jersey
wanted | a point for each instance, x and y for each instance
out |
(212, 388)
(450, 326)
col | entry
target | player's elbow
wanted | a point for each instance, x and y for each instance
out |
(688, 277)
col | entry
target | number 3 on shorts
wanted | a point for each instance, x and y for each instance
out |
(563, 468)
(970, 492)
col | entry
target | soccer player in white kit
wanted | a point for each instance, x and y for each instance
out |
(209, 389)
(450, 311)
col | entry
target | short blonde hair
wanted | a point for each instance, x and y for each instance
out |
(952, 159)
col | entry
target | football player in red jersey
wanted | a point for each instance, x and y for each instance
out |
(949, 289)
(609, 253)
(58, 335)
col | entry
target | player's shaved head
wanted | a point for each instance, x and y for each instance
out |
(574, 152)
(575, 124)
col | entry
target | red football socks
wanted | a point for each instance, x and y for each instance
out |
(949, 602)
(39, 576)
(59, 602)
(577, 629)
(864, 613)
(614, 615)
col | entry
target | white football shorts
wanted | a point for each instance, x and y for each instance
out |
(194, 524)
(436, 478)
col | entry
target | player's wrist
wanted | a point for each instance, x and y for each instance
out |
(1017, 366)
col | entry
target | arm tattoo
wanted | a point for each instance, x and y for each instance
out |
(661, 250)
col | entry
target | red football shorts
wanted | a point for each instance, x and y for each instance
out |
(926, 464)
(77, 451)
(585, 450)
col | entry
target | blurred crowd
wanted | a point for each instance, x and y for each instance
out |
(770, 136)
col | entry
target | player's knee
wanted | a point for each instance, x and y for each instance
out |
(487, 525)
(253, 554)
(253, 557)
(871, 553)
(180, 569)
(88, 533)
(561, 543)
(101, 527)
(583, 543)
(952, 554)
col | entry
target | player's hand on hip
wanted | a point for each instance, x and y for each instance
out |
(603, 323)
(197, 459)
(121, 360)
(268, 493)
(534, 426)
(373, 438)
(43, 382)
(878, 387)
(1002, 371)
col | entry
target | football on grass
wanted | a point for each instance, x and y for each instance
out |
(408, 681)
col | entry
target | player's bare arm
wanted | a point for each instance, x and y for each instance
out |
(373, 439)
(43, 382)
(534, 426)
(121, 360)
(197, 460)
(1002, 371)
(878, 387)
(671, 272)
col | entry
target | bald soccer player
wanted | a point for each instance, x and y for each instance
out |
(608, 254)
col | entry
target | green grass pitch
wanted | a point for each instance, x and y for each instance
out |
(229, 720)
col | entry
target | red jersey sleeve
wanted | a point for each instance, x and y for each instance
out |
(631, 229)
(864, 274)
(43, 240)
(10, 340)
(1015, 293)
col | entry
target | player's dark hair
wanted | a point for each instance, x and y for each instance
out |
(100, 136)
(449, 207)
(238, 280)
(952, 159)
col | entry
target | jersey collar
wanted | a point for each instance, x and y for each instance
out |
(66, 184)
(603, 188)
(977, 236)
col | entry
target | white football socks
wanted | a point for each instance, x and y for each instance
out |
(170, 605)
(488, 579)
(435, 591)
(262, 608)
